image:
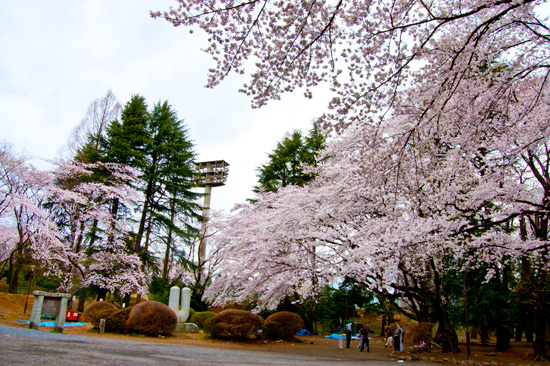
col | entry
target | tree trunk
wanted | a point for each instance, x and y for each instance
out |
(518, 334)
(541, 296)
(484, 334)
(503, 338)
(14, 269)
(82, 294)
(102, 294)
(127, 298)
(446, 337)
(541, 328)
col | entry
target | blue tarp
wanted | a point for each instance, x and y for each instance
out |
(51, 324)
(336, 336)
(303, 332)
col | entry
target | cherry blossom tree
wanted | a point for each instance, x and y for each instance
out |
(46, 219)
(270, 251)
(21, 193)
(440, 110)
(369, 51)
(92, 243)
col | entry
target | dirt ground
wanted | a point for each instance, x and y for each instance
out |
(12, 306)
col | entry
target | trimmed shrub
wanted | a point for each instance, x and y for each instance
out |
(116, 322)
(272, 330)
(208, 325)
(151, 318)
(96, 306)
(191, 313)
(291, 323)
(101, 314)
(201, 317)
(237, 325)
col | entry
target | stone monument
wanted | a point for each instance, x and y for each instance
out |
(180, 301)
(49, 303)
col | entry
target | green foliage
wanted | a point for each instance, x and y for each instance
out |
(208, 325)
(95, 307)
(197, 302)
(290, 322)
(157, 144)
(116, 321)
(101, 314)
(496, 294)
(159, 289)
(285, 162)
(236, 325)
(49, 283)
(201, 317)
(341, 302)
(151, 318)
(272, 330)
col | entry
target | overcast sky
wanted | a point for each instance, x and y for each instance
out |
(58, 56)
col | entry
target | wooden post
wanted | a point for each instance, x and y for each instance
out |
(101, 326)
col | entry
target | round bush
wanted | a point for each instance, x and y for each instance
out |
(201, 317)
(291, 323)
(191, 313)
(151, 318)
(272, 330)
(116, 321)
(101, 314)
(237, 325)
(96, 306)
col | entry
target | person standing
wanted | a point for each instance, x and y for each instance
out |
(365, 337)
(389, 340)
(349, 329)
(360, 326)
(397, 338)
(340, 340)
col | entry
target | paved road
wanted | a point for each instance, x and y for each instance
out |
(20, 346)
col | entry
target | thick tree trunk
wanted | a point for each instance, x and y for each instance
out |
(446, 337)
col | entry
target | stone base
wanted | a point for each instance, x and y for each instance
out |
(187, 328)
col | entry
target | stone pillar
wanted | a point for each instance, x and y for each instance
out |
(61, 314)
(36, 312)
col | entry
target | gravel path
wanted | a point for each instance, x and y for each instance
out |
(21, 346)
